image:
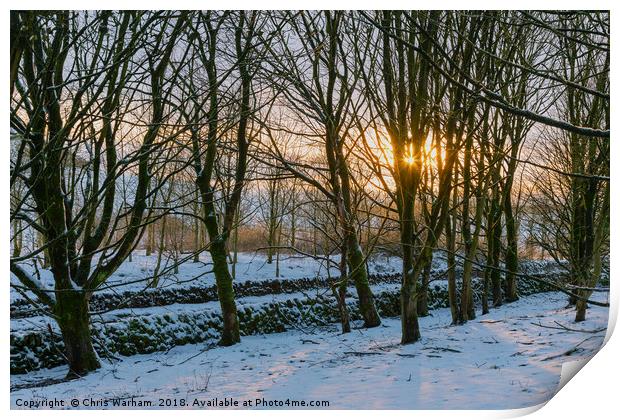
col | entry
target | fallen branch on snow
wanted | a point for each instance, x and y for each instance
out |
(564, 327)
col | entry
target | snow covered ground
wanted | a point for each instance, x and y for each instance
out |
(135, 275)
(510, 358)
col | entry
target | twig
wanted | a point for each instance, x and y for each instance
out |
(442, 349)
(563, 327)
(363, 353)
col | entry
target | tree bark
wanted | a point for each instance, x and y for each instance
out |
(408, 295)
(359, 274)
(452, 297)
(17, 238)
(423, 293)
(197, 229)
(74, 322)
(494, 233)
(150, 239)
(512, 259)
(340, 292)
(225, 293)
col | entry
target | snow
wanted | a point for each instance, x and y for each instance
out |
(510, 358)
(135, 275)
(40, 322)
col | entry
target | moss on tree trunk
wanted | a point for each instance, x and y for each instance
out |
(74, 323)
(408, 296)
(226, 294)
(359, 274)
(409, 318)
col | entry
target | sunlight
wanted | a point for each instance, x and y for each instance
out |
(382, 150)
(428, 154)
(409, 157)
(430, 150)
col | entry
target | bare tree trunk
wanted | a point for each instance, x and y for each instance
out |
(496, 239)
(315, 231)
(40, 242)
(512, 259)
(451, 260)
(278, 250)
(74, 322)
(233, 268)
(294, 215)
(340, 292)
(17, 237)
(197, 229)
(408, 298)
(357, 268)
(470, 239)
(160, 251)
(492, 276)
(225, 292)
(272, 223)
(150, 239)
(423, 293)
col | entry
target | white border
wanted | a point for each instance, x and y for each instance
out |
(594, 394)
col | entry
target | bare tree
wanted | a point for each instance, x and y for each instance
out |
(203, 118)
(319, 80)
(69, 100)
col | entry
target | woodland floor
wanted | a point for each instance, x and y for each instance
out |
(510, 358)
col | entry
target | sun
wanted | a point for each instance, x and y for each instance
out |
(427, 156)
(409, 157)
